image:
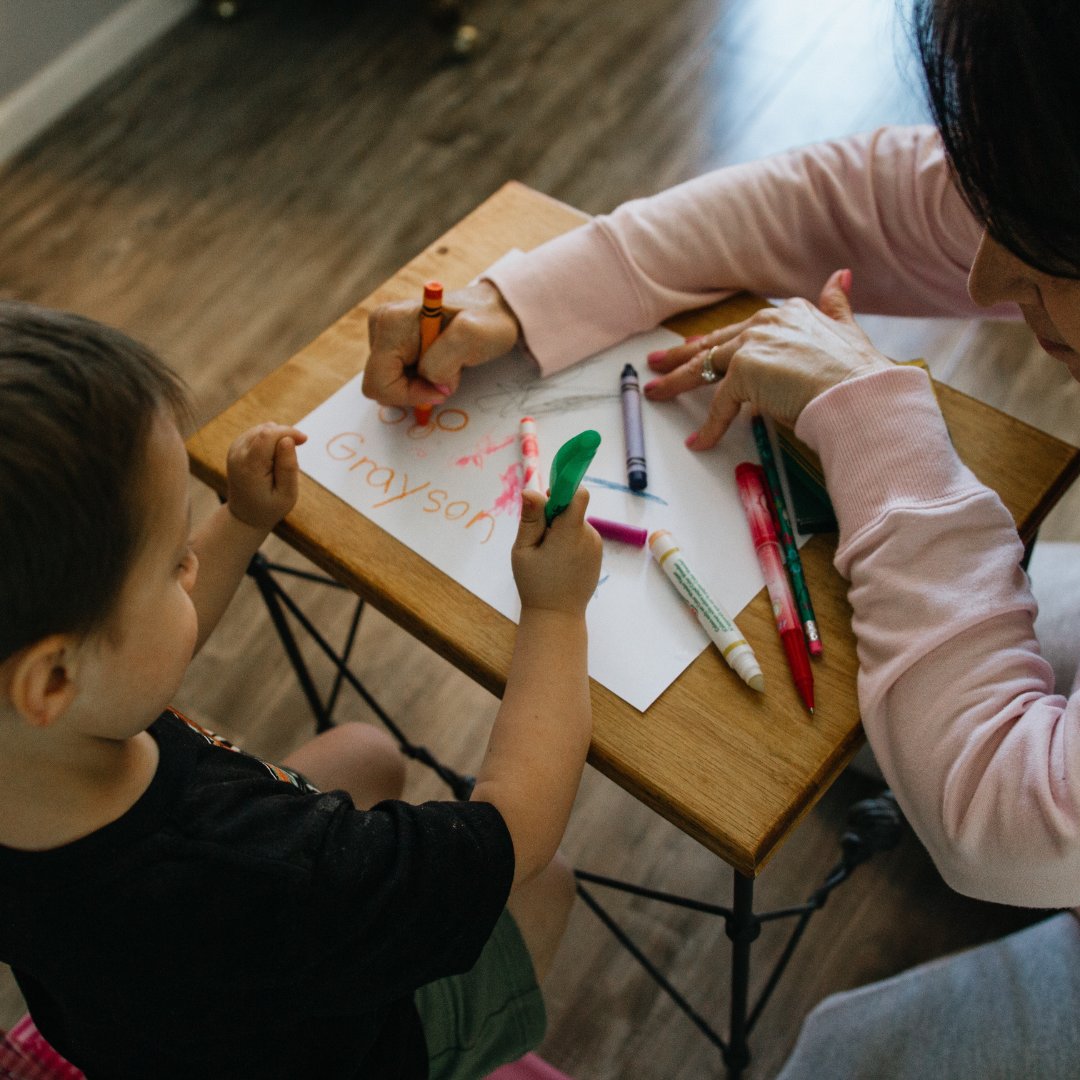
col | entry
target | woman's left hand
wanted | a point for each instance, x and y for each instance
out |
(778, 360)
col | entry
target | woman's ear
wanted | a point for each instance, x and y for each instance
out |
(41, 679)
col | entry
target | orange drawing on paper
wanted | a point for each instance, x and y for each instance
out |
(449, 420)
(347, 447)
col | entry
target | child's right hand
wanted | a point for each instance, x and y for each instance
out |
(556, 568)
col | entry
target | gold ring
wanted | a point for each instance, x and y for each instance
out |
(708, 373)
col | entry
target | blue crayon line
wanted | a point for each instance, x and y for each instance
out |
(623, 487)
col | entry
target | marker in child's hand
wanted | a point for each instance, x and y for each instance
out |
(430, 325)
(567, 470)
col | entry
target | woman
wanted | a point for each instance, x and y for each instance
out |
(957, 701)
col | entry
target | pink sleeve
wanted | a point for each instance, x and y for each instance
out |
(956, 700)
(882, 204)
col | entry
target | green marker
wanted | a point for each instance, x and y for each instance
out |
(571, 461)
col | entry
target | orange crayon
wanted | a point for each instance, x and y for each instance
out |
(430, 325)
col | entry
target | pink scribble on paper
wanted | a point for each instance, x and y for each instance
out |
(482, 451)
(510, 499)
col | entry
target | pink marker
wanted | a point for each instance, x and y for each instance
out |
(751, 481)
(616, 530)
(530, 455)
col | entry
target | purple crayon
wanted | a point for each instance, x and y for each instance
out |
(635, 436)
(616, 530)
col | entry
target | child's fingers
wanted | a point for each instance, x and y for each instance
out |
(286, 465)
(257, 449)
(270, 435)
(574, 514)
(532, 525)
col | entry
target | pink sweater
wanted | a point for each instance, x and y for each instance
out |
(956, 700)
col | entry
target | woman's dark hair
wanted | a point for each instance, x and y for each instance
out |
(77, 401)
(1003, 79)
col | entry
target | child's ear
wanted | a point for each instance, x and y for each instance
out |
(41, 679)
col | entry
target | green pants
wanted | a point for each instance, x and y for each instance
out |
(491, 1015)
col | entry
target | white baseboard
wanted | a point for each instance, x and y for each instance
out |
(29, 110)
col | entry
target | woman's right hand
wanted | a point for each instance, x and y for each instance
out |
(478, 326)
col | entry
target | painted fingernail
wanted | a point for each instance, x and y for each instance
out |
(444, 390)
(695, 337)
(656, 357)
(691, 440)
(651, 385)
(845, 281)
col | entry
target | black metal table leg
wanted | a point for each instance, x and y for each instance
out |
(742, 928)
(873, 825)
(278, 603)
(259, 571)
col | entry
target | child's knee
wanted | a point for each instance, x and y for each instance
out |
(379, 761)
(358, 758)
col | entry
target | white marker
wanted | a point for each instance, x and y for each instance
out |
(717, 623)
(530, 456)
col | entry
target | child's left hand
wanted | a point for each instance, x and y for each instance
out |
(263, 474)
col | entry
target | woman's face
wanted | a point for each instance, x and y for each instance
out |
(1050, 305)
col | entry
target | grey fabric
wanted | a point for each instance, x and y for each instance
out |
(1055, 580)
(1009, 1010)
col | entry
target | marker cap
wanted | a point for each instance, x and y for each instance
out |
(744, 663)
(568, 469)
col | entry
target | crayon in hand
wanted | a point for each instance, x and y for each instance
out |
(430, 325)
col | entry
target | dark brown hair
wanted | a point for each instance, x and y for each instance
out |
(77, 400)
(1003, 81)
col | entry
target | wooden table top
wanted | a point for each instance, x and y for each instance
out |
(734, 769)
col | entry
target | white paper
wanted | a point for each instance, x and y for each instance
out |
(451, 492)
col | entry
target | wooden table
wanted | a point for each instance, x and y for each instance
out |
(734, 769)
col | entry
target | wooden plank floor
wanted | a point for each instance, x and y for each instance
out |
(240, 186)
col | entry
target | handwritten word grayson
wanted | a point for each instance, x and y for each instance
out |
(346, 446)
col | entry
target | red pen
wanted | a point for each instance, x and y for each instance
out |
(751, 481)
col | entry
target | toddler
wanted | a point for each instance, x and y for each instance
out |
(173, 907)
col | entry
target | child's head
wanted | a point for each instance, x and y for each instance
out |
(78, 401)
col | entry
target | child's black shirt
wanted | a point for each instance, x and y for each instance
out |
(237, 923)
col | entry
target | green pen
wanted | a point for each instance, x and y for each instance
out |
(571, 461)
(786, 539)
